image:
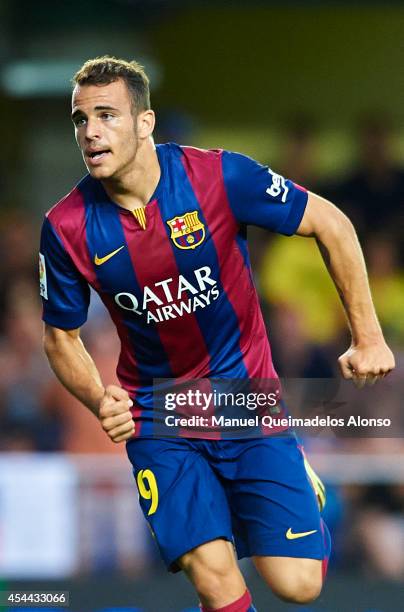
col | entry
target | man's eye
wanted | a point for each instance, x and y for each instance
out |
(79, 121)
(106, 116)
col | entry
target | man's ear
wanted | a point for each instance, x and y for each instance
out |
(145, 123)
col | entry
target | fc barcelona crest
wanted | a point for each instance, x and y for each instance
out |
(187, 231)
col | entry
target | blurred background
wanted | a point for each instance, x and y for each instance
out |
(314, 89)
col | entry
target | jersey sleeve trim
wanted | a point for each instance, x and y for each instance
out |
(64, 320)
(293, 220)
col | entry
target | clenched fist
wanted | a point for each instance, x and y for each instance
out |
(114, 414)
(366, 364)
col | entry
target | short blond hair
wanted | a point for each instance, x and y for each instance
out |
(107, 69)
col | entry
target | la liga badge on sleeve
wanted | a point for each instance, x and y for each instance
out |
(43, 286)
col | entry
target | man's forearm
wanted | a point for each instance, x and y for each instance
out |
(368, 358)
(75, 369)
(343, 256)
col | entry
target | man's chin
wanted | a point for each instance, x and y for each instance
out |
(100, 173)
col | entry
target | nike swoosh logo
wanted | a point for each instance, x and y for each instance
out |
(100, 260)
(293, 536)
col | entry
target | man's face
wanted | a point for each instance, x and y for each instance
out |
(105, 128)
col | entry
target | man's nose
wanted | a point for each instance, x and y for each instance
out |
(93, 129)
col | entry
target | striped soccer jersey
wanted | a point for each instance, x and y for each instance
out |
(175, 277)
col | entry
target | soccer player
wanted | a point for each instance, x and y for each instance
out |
(160, 233)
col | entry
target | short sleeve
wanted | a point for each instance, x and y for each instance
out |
(65, 293)
(259, 196)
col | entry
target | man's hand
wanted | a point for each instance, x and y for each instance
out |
(366, 363)
(114, 414)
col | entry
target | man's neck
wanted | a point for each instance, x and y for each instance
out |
(136, 185)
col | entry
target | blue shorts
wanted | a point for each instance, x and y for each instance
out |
(255, 493)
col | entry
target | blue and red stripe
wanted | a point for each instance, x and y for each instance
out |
(225, 355)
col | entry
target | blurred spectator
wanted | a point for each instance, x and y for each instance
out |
(373, 193)
(174, 126)
(18, 257)
(373, 538)
(381, 529)
(292, 272)
(295, 355)
(28, 415)
(298, 151)
(387, 284)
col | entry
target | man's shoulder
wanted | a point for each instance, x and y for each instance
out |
(232, 163)
(70, 208)
(200, 153)
(192, 153)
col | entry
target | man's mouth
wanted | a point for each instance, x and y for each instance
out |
(97, 156)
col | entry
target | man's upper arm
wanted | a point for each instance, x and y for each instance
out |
(65, 293)
(259, 196)
(320, 216)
